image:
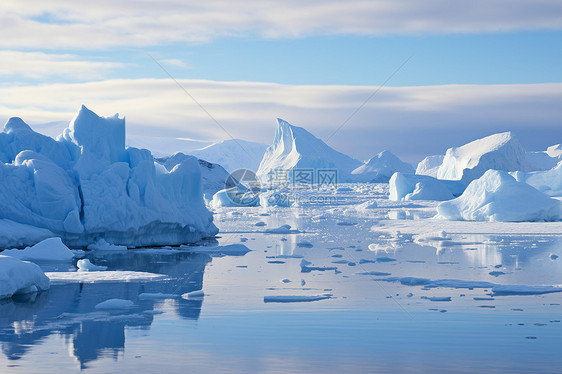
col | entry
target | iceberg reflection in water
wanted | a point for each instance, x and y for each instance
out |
(69, 309)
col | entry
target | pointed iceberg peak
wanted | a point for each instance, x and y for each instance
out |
(295, 148)
(103, 137)
(16, 124)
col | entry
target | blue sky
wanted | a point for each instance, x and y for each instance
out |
(326, 56)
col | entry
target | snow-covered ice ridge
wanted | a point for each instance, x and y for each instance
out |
(86, 185)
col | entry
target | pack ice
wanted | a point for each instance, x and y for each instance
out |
(295, 148)
(87, 185)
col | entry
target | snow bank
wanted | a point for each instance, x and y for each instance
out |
(87, 185)
(295, 148)
(19, 277)
(430, 165)
(380, 168)
(497, 196)
(52, 249)
(423, 187)
(470, 161)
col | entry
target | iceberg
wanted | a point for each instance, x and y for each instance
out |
(430, 165)
(295, 148)
(52, 249)
(380, 168)
(213, 176)
(20, 277)
(87, 185)
(497, 196)
(423, 187)
(470, 161)
(555, 151)
(233, 154)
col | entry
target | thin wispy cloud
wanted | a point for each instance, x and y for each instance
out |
(39, 65)
(101, 24)
(399, 117)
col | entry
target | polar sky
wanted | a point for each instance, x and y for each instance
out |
(426, 75)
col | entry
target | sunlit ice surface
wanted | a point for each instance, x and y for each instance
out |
(384, 289)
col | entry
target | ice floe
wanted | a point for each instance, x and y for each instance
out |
(294, 298)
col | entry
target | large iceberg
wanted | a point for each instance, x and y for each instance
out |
(380, 168)
(497, 196)
(423, 187)
(86, 185)
(233, 154)
(470, 161)
(295, 148)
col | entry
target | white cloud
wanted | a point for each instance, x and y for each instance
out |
(40, 65)
(411, 121)
(62, 24)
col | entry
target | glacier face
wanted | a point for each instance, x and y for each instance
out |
(87, 185)
(295, 148)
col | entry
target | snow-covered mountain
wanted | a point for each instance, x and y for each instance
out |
(86, 185)
(295, 148)
(470, 161)
(380, 168)
(233, 154)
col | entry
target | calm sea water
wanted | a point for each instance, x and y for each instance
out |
(366, 326)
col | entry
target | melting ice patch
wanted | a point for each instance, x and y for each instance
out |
(496, 289)
(294, 298)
